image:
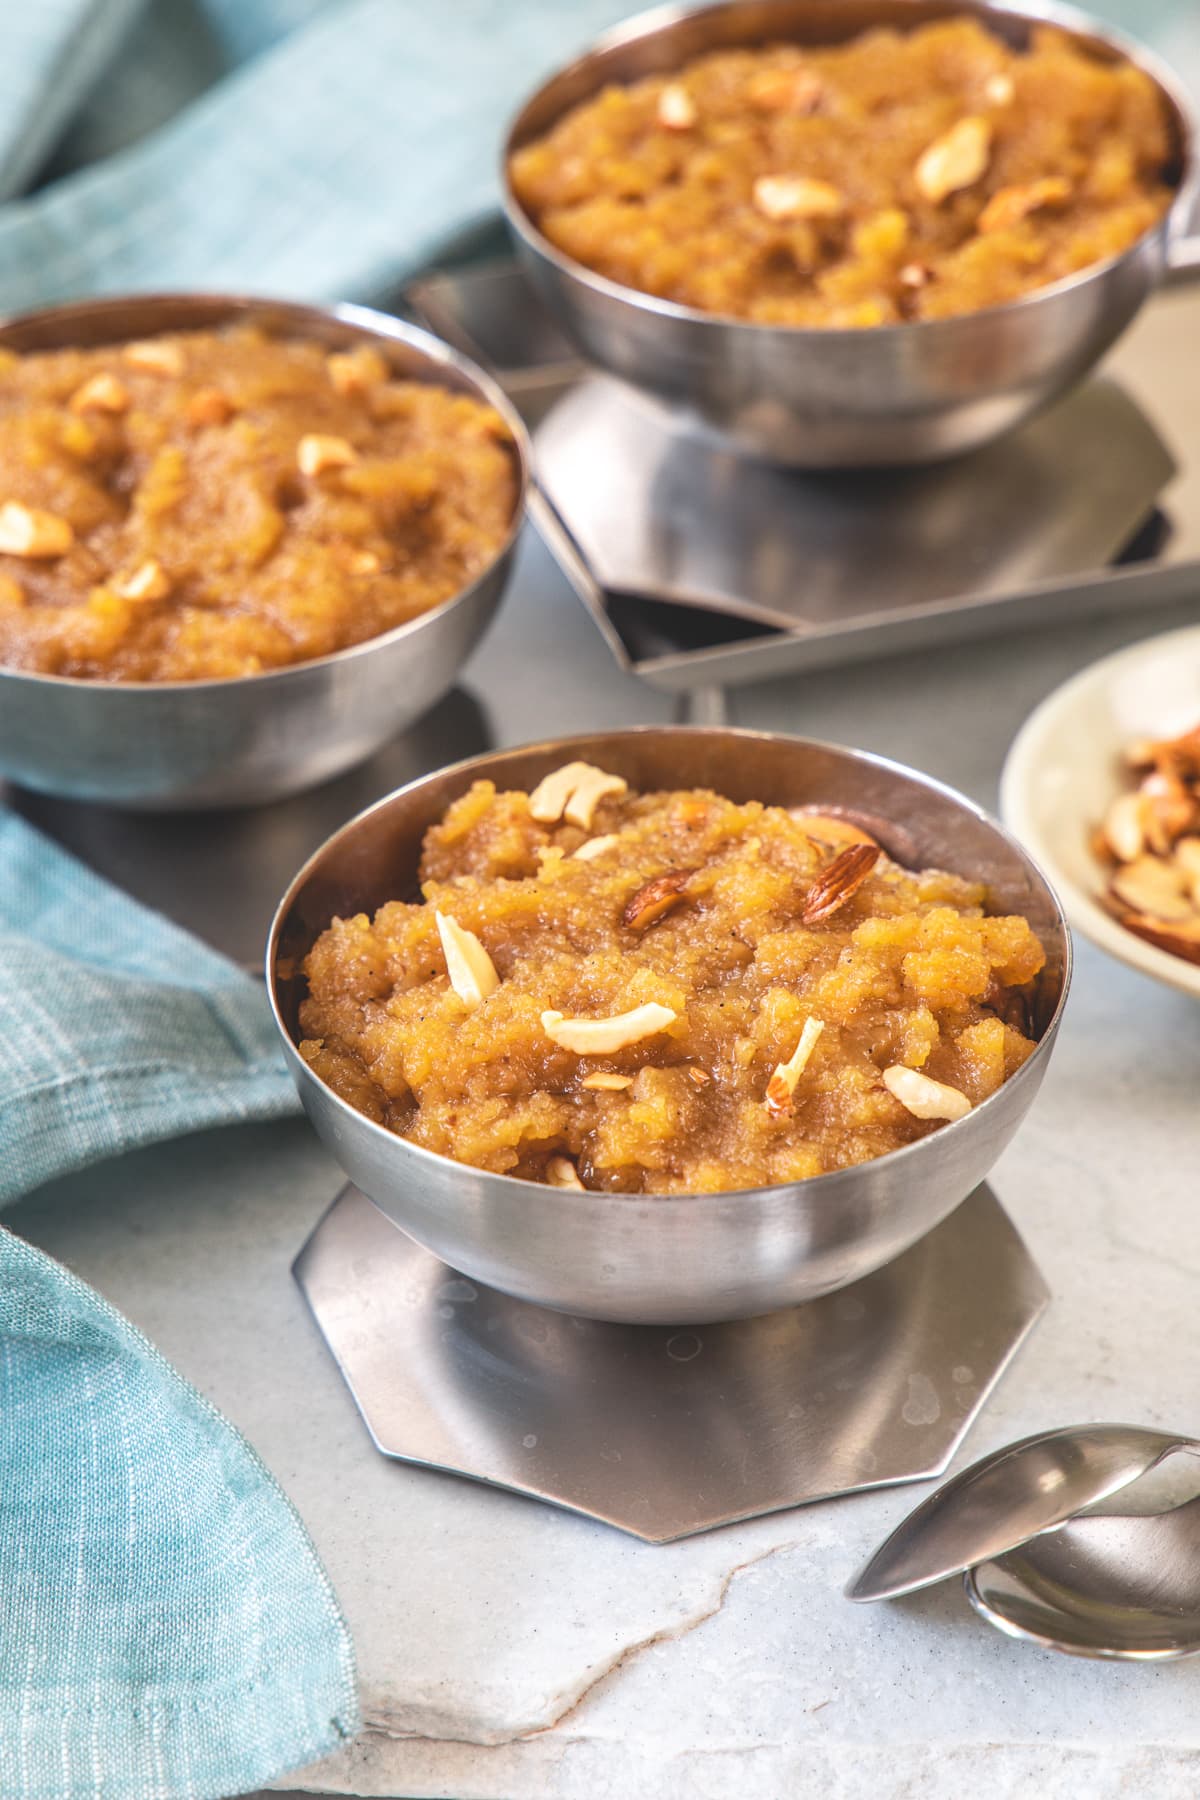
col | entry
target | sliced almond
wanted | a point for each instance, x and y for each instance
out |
(607, 1081)
(654, 898)
(147, 582)
(28, 531)
(998, 89)
(1187, 857)
(100, 393)
(923, 1097)
(562, 1173)
(1168, 810)
(595, 847)
(210, 406)
(1153, 886)
(782, 1084)
(1125, 827)
(784, 197)
(153, 357)
(1181, 939)
(954, 161)
(829, 828)
(1009, 205)
(356, 371)
(573, 792)
(676, 108)
(797, 91)
(601, 1037)
(471, 970)
(841, 878)
(317, 452)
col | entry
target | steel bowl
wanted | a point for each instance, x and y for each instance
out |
(175, 745)
(680, 1258)
(886, 395)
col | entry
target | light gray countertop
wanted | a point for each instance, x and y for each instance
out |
(508, 1649)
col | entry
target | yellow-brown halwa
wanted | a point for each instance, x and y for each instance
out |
(686, 902)
(899, 176)
(212, 504)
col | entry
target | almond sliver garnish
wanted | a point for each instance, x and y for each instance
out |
(471, 970)
(923, 1097)
(782, 1084)
(607, 1081)
(601, 1037)
(562, 1173)
(595, 847)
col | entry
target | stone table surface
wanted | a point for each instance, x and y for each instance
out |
(508, 1649)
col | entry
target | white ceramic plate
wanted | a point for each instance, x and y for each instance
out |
(1066, 765)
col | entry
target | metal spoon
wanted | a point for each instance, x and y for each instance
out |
(1106, 1586)
(1010, 1496)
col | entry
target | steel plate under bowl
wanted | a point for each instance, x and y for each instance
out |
(665, 1432)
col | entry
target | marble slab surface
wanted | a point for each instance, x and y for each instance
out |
(509, 1650)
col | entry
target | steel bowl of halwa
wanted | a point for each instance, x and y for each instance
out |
(242, 543)
(669, 1025)
(851, 232)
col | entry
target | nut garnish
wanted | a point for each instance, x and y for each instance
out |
(1151, 834)
(471, 970)
(562, 1173)
(782, 197)
(1125, 828)
(923, 1097)
(954, 161)
(595, 847)
(153, 357)
(699, 1077)
(654, 898)
(786, 91)
(601, 1037)
(998, 89)
(210, 406)
(829, 828)
(28, 531)
(100, 393)
(838, 880)
(1009, 205)
(573, 792)
(1155, 886)
(782, 1084)
(355, 371)
(676, 108)
(316, 452)
(1182, 939)
(147, 582)
(607, 1081)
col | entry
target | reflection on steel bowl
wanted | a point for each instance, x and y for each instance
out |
(800, 304)
(594, 1231)
(279, 531)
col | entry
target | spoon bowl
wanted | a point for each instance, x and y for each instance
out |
(1114, 1586)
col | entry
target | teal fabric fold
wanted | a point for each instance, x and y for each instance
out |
(118, 1028)
(166, 1628)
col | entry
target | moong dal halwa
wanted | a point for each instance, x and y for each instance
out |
(899, 176)
(213, 504)
(665, 993)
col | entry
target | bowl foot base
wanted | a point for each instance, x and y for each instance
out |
(660, 1431)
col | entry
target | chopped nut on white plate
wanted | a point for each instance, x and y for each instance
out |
(1124, 827)
(317, 452)
(601, 1037)
(573, 792)
(562, 1173)
(28, 531)
(782, 1084)
(676, 108)
(1154, 886)
(923, 1097)
(954, 161)
(783, 197)
(147, 582)
(471, 970)
(100, 393)
(152, 357)
(607, 1081)
(594, 847)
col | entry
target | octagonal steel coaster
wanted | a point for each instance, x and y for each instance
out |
(665, 1432)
